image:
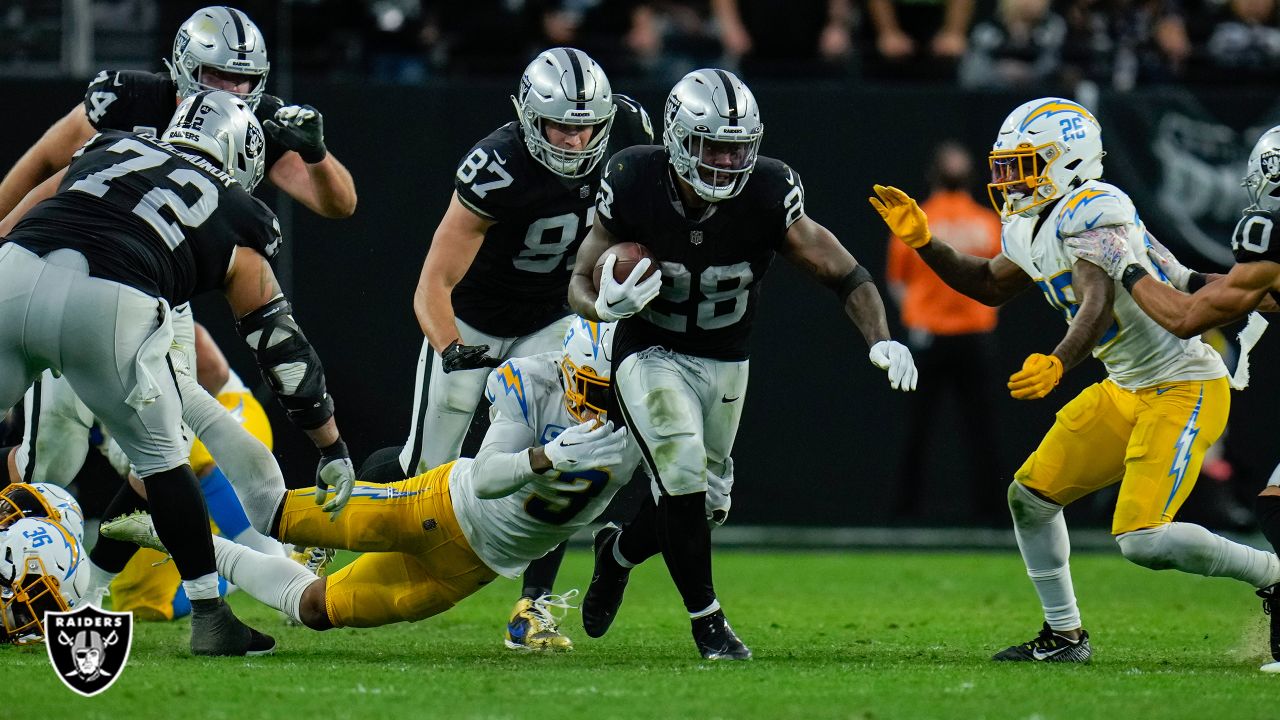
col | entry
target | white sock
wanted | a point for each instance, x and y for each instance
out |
(1193, 549)
(1041, 532)
(617, 553)
(262, 543)
(714, 606)
(204, 587)
(276, 581)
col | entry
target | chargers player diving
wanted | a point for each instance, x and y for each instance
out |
(41, 558)
(714, 214)
(1193, 302)
(139, 224)
(549, 464)
(494, 281)
(1147, 425)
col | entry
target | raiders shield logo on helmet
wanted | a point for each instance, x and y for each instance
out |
(253, 143)
(1271, 166)
(88, 647)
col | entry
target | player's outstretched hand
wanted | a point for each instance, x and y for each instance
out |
(903, 216)
(1039, 375)
(895, 359)
(1165, 261)
(1107, 247)
(337, 473)
(618, 300)
(299, 128)
(586, 446)
(466, 357)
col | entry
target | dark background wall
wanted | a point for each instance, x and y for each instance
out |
(822, 432)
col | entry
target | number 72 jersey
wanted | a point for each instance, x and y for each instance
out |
(527, 410)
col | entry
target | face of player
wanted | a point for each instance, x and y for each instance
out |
(229, 81)
(718, 155)
(568, 137)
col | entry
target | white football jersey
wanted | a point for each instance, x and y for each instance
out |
(527, 411)
(1137, 352)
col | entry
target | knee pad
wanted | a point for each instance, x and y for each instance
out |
(1150, 548)
(1029, 509)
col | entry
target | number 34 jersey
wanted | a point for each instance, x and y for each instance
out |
(528, 411)
(151, 216)
(1137, 352)
(712, 266)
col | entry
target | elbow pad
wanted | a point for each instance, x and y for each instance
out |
(288, 363)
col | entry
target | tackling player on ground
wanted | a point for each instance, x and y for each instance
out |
(1164, 402)
(549, 464)
(714, 214)
(1194, 302)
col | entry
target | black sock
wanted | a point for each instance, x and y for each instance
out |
(1267, 508)
(182, 520)
(540, 576)
(686, 547)
(113, 555)
(639, 539)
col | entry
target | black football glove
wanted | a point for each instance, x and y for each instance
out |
(299, 128)
(466, 357)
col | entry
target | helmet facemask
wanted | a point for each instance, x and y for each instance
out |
(24, 601)
(563, 161)
(717, 167)
(1020, 182)
(20, 500)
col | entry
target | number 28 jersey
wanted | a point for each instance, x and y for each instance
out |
(149, 215)
(711, 267)
(527, 411)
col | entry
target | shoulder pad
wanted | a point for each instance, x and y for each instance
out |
(1094, 204)
(488, 179)
(509, 391)
(775, 184)
(1255, 238)
(631, 123)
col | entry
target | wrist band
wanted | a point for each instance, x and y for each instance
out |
(1132, 274)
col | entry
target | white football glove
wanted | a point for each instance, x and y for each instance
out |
(1166, 263)
(895, 359)
(1107, 247)
(586, 447)
(618, 300)
(337, 473)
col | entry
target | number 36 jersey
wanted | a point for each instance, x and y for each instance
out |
(519, 280)
(528, 411)
(149, 215)
(711, 267)
(1137, 352)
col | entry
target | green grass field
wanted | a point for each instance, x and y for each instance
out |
(839, 635)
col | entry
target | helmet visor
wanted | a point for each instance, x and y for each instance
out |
(722, 162)
(1016, 175)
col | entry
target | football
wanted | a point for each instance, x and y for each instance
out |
(629, 253)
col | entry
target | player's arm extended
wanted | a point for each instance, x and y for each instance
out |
(1240, 291)
(813, 248)
(582, 286)
(51, 153)
(506, 461)
(1096, 292)
(325, 188)
(453, 248)
(41, 192)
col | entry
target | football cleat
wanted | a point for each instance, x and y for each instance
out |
(1049, 646)
(137, 528)
(216, 631)
(1271, 606)
(315, 559)
(608, 582)
(534, 627)
(716, 640)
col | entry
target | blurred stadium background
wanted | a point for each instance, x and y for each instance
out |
(852, 92)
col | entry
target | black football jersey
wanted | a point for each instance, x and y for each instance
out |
(149, 215)
(519, 280)
(143, 102)
(1255, 237)
(711, 267)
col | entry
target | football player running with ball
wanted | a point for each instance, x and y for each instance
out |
(1194, 302)
(549, 464)
(1147, 426)
(714, 214)
(494, 282)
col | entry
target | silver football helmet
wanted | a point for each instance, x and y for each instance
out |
(565, 86)
(1262, 179)
(712, 132)
(225, 40)
(222, 126)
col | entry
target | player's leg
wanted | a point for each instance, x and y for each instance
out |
(443, 404)
(56, 438)
(18, 270)
(1267, 508)
(116, 358)
(1082, 452)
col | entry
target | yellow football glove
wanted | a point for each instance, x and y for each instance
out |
(1039, 375)
(903, 216)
